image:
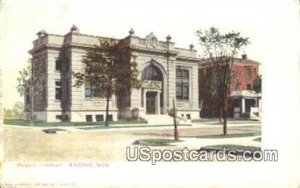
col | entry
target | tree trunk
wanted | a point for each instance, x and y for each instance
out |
(31, 106)
(175, 123)
(220, 114)
(224, 106)
(225, 125)
(107, 109)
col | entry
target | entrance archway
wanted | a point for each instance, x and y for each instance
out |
(153, 94)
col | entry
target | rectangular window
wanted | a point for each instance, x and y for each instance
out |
(249, 87)
(248, 72)
(58, 65)
(97, 92)
(58, 90)
(59, 117)
(91, 90)
(110, 117)
(182, 84)
(99, 117)
(89, 118)
(237, 85)
(88, 89)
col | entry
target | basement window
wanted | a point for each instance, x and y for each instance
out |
(89, 118)
(99, 118)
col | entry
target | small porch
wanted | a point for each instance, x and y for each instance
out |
(246, 105)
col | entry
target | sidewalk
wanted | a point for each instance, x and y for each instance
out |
(197, 143)
(126, 127)
(122, 127)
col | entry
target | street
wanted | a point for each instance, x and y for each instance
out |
(33, 144)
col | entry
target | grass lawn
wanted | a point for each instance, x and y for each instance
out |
(257, 139)
(128, 126)
(214, 121)
(23, 122)
(235, 147)
(156, 142)
(236, 135)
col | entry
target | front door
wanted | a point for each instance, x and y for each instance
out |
(150, 102)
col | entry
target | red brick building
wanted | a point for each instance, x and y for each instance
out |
(244, 101)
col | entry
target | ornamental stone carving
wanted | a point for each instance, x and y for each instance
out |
(151, 41)
(152, 84)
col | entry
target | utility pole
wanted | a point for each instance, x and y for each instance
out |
(175, 123)
(168, 59)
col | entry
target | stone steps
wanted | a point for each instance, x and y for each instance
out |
(159, 119)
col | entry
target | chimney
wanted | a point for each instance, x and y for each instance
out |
(244, 56)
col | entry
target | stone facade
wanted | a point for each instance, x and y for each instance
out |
(61, 55)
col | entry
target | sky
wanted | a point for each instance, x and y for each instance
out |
(265, 22)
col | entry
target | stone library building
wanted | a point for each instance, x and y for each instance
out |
(167, 73)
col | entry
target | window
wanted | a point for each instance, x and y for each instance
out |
(89, 118)
(88, 89)
(59, 117)
(91, 90)
(182, 84)
(58, 65)
(152, 73)
(249, 87)
(110, 117)
(248, 72)
(62, 117)
(58, 90)
(237, 85)
(188, 116)
(99, 117)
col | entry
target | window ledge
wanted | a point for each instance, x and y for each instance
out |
(183, 100)
(96, 99)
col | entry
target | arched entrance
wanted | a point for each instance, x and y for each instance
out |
(153, 89)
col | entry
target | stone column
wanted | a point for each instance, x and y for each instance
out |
(158, 102)
(144, 101)
(243, 105)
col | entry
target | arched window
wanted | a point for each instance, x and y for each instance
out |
(152, 73)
